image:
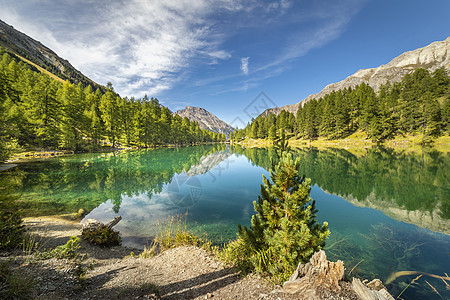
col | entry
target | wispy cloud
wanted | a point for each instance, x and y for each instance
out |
(244, 65)
(149, 47)
(299, 29)
(149, 41)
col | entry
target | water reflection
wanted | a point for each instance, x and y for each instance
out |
(414, 188)
(65, 185)
(359, 195)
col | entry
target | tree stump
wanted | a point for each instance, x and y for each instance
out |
(319, 272)
(98, 233)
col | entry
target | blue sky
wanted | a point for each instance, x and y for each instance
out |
(220, 54)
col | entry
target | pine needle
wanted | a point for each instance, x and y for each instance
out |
(447, 286)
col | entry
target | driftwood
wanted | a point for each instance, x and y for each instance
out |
(114, 222)
(366, 293)
(100, 234)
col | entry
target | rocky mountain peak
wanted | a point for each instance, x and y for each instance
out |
(431, 57)
(205, 119)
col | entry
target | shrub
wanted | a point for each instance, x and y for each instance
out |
(68, 250)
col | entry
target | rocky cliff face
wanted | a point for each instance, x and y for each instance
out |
(431, 57)
(205, 119)
(20, 44)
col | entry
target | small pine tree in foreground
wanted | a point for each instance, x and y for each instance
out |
(284, 231)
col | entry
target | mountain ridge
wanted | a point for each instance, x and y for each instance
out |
(430, 57)
(205, 119)
(26, 47)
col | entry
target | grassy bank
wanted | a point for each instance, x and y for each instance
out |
(359, 141)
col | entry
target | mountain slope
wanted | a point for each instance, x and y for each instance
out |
(25, 47)
(205, 119)
(431, 57)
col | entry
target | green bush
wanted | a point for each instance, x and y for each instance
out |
(68, 250)
(102, 236)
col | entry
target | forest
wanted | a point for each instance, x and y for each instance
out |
(38, 112)
(419, 104)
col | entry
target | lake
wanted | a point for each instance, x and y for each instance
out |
(388, 211)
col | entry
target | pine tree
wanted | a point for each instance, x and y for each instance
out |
(284, 230)
(110, 113)
(272, 133)
(432, 121)
(254, 130)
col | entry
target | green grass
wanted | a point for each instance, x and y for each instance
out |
(149, 252)
(358, 142)
(68, 250)
(173, 232)
(42, 70)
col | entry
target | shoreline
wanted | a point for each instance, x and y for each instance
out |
(356, 142)
(7, 166)
(184, 272)
(44, 154)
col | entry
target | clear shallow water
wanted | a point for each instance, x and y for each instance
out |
(387, 205)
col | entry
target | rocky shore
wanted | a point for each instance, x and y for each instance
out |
(180, 273)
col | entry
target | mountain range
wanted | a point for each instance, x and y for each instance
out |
(431, 57)
(205, 119)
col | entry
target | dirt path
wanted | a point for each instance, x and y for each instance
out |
(180, 273)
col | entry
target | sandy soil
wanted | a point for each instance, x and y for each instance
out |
(180, 273)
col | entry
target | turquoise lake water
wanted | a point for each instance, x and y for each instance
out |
(388, 211)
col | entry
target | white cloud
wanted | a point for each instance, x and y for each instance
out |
(148, 47)
(244, 65)
(148, 40)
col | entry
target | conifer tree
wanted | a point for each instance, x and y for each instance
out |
(272, 132)
(284, 230)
